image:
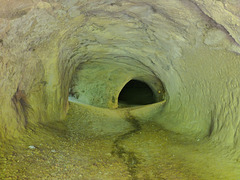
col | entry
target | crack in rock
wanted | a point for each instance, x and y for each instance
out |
(128, 157)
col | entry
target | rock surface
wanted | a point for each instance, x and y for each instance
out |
(191, 46)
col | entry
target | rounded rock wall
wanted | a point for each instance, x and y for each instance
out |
(182, 43)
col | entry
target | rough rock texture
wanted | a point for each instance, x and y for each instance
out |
(191, 46)
(100, 83)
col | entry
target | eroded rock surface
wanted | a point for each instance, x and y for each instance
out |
(191, 46)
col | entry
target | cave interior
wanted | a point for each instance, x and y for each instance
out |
(120, 89)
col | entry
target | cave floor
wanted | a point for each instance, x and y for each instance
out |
(49, 151)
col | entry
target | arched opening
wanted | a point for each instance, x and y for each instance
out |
(136, 93)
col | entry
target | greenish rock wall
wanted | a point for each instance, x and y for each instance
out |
(191, 46)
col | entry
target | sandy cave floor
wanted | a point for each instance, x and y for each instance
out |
(51, 152)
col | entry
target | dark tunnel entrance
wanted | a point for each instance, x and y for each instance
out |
(136, 93)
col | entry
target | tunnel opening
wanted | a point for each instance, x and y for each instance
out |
(136, 92)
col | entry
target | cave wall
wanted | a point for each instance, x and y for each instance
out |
(191, 46)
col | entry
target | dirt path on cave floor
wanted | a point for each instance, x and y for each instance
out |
(148, 152)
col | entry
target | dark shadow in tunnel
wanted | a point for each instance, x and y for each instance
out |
(136, 93)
